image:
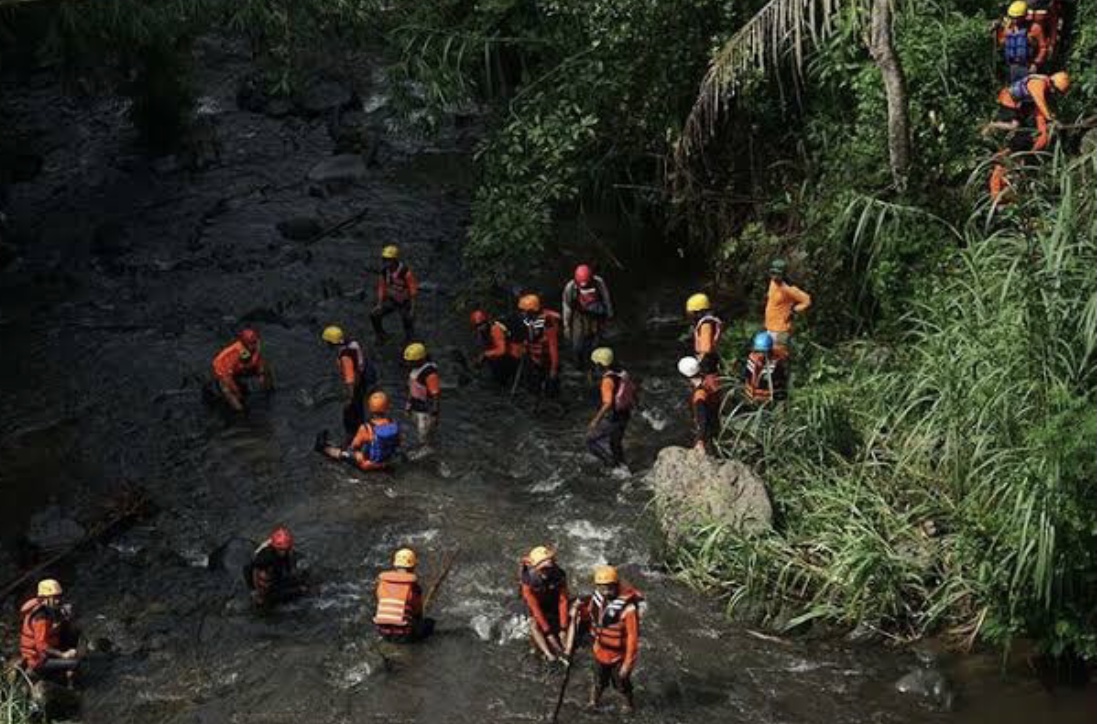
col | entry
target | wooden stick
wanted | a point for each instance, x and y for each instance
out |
(447, 564)
(349, 221)
(563, 690)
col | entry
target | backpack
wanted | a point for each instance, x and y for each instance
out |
(386, 439)
(626, 394)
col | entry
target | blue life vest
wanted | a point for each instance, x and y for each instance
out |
(1019, 90)
(1016, 47)
(386, 439)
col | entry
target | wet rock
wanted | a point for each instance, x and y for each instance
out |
(166, 165)
(930, 685)
(301, 228)
(351, 133)
(265, 315)
(8, 252)
(325, 95)
(50, 530)
(110, 239)
(345, 168)
(692, 488)
(231, 556)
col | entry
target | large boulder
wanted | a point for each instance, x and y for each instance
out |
(692, 488)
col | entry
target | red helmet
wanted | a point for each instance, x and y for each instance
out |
(583, 274)
(281, 539)
(478, 317)
(249, 338)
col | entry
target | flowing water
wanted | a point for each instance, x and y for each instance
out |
(104, 345)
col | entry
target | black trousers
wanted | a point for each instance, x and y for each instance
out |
(387, 307)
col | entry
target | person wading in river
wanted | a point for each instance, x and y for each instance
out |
(235, 363)
(707, 328)
(537, 343)
(356, 372)
(544, 587)
(272, 573)
(424, 396)
(587, 308)
(617, 398)
(397, 289)
(704, 402)
(492, 340)
(399, 615)
(613, 616)
(376, 442)
(783, 300)
(47, 636)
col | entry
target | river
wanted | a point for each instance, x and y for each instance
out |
(132, 275)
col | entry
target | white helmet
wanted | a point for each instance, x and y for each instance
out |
(689, 366)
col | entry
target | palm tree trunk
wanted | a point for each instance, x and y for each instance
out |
(882, 48)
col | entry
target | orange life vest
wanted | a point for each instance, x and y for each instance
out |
(28, 643)
(607, 622)
(717, 327)
(417, 381)
(395, 591)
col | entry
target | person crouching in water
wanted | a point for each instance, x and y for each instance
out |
(613, 616)
(48, 637)
(545, 590)
(272, 574)
(376, 442)
(235, 363)
(399, 615)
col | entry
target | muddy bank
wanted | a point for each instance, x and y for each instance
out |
(131, 274)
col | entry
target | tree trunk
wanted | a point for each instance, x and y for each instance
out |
(882, 48)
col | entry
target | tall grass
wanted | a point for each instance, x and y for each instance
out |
(15, 706)
(951, 486)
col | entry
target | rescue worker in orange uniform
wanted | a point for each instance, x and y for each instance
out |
(424, 396)
(1030, 97)
(587, 308)
(617, 398)
(399, 615)
(397, 289)
(1000, 185)
(705, 398)
(613, 616)
(47, 635)
(357, 373)
(783, 300)
(492, 338)
(272, 573)
(537, 344)
(544, 588)
(765, 376)
(1024, 47)
(707, 328)
(235, 363)
(376, 442)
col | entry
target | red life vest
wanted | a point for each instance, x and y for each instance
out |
(28, 644)
(537, 329)
(396, 283)
(760, 378)
(395, 591)
(588, 297)
(607, 622)
(354, 351)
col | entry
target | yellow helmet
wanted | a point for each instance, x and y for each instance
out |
(1061, 81)
(1017, 9)
(49, 587)
(602, 356)
(605, 575)
(405, 558)
(415, 352)
(529, 303)
(540, 554)
(333, 335)
(390, 252)
(698, 303)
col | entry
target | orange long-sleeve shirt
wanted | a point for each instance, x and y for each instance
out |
(537, 608)
(231, 362)
(630, 624)
(497, 339)
(362, 438)
(781, 301)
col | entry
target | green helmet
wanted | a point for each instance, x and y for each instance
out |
(778, 267)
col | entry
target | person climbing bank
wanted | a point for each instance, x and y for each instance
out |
(707, 328)
(424, 395)
(397, 289)
(399, 615)
(783, 300)
(544, 587)
(356, 372)
(47, 636)
(376, 442)
(272, 573)
(704, 402)
(492, 340)
(1027, 98)
(587, 308)
(765, 376)
(1024, 47)
(537, 345)
(233, 365)
(613, 616)
(617, 398)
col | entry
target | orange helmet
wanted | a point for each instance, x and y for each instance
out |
(281, 539)
(378, 403)
(1061, 81)
(529, 303)
(478, 317)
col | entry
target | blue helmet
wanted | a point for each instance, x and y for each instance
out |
(763, 342)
